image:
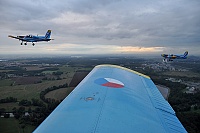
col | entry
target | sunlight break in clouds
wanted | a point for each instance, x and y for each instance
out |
(94, 49)
(81, 49)
(130, 49)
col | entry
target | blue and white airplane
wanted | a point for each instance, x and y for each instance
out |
(32, 38)
(170, 57)
(113, 99)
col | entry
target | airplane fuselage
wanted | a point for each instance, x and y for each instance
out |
(170, 57)
(32, 38)
(173, 56)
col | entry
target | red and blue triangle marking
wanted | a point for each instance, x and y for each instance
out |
(109, 82)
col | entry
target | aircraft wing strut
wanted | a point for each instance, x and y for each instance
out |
(113, 99)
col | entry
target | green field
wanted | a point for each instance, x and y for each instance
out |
(9, 106)
(68, 72)
(5, 82)
(11, 125)
(28, 91)
(188, 74)
(48, 72)
(67, 69)
(59, 94)
(6, 70)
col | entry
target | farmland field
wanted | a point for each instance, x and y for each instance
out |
(9, 106)
(28, 91)
(71, 70)
(77, 78)
(6, 70)
(188, 74)
(48, 72)
(28, 88)
(11, 125)
(6, 82)
(26, 80)
(59, 94)
(33, 68)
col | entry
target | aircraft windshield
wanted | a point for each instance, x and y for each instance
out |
(29, 36)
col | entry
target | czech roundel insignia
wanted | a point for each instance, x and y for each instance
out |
(109, 82)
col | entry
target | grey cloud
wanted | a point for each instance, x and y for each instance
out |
(114, 22)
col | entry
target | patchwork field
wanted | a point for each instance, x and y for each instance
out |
(26, 87)
(9, 106)
(30, 87)
(28, 91)
(6, 70)
(59, 94)
(33, 68)
(78, 77)
(6, 82)
(48, 72)
(188, 74)
(27, 80)
(11, 125)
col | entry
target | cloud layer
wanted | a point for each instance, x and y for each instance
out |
(101, 24)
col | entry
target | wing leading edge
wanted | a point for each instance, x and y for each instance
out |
(113, 99)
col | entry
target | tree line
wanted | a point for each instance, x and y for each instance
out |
(37, 111)
(186, 105)
(8, 100)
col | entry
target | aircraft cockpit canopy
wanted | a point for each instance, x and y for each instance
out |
(29, 36)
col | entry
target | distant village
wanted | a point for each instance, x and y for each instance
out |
(192, 87)
(8, 65)
(157, 67)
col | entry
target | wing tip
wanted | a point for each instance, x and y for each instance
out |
(120, 67)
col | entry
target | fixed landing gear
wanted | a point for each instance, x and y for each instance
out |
(27, 43)
(167, 60)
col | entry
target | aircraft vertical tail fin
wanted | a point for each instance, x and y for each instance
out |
(185, 54)
(48, 34)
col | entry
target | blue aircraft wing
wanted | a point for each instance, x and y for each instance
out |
(113, 99)
(18, 37)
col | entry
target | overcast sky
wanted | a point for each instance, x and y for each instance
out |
(102, 26)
